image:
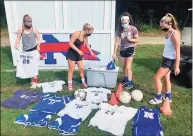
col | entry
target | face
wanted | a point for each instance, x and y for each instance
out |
(125, 23)
(164, 26)
(28, 22)
(89, 31)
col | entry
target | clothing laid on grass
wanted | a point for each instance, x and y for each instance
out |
(27, 66)
(51, 103)
(66, 125)
(147, 122)
(112, 119)
(22, 99)
(38, 119)
(52, 87)
(78, 109)
(97, 95)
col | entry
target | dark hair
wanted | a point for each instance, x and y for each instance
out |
(131, 22)
(26, 15)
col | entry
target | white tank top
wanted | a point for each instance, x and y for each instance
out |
(169, 49)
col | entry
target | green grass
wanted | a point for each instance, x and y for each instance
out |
(146, 63)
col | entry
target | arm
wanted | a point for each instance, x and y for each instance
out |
(19, 32)
(38, 38)
(176, 41)
(72, 40)
(88, 46)
(135, 39)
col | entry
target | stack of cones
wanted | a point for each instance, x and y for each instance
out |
(115, 96)
(165, 109)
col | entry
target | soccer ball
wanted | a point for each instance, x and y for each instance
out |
(80, 94)
(137, 95)
(124, 97)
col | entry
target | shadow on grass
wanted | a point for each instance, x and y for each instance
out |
(63, 75)
(153, 65)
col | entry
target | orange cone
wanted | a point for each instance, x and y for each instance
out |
(113, 100)
(165, 109)
(119, 90)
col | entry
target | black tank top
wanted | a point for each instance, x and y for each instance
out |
(77, 42)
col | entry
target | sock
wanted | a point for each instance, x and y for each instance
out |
(83, 80)
(126, 79)
(35, 80)
(158, 96)
(168, 94)
(70, 82)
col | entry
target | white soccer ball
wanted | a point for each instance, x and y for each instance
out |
(124, 97)
(80, 94)
(137, 95)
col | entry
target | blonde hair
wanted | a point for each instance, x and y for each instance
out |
(170, 19)
(88, 26)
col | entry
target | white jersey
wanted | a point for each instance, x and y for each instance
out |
(27, 66)
(97, 95)
(78, 109)
(52, 87)
(112, 118)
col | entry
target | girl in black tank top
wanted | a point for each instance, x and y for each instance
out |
(75, 54)
(72, 54)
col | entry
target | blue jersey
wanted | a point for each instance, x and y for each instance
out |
(66, 125)
(22, 99)
(147, 123)
(52, 103)
(34, 119)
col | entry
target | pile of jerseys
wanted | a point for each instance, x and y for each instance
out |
(52, 87)
(22, 99)
(71, 112)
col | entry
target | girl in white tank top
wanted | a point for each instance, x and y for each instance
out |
(170, 59)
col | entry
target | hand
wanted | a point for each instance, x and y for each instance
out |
(80, 52)
(114, 56)
(176, 71)
(16, 46)
(128, 38)
(92, 54)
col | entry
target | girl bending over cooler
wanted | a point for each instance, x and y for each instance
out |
(170, 59)
(75, 54)
(127, 37)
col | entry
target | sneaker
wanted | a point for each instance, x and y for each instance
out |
(129, 85)
(70, 88)
(156, 100)
(84, 85)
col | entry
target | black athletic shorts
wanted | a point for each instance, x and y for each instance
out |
(168, 63)
(32, 49)
(73, 55)
(128, 52)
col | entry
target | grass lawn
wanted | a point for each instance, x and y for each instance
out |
(146, 63)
